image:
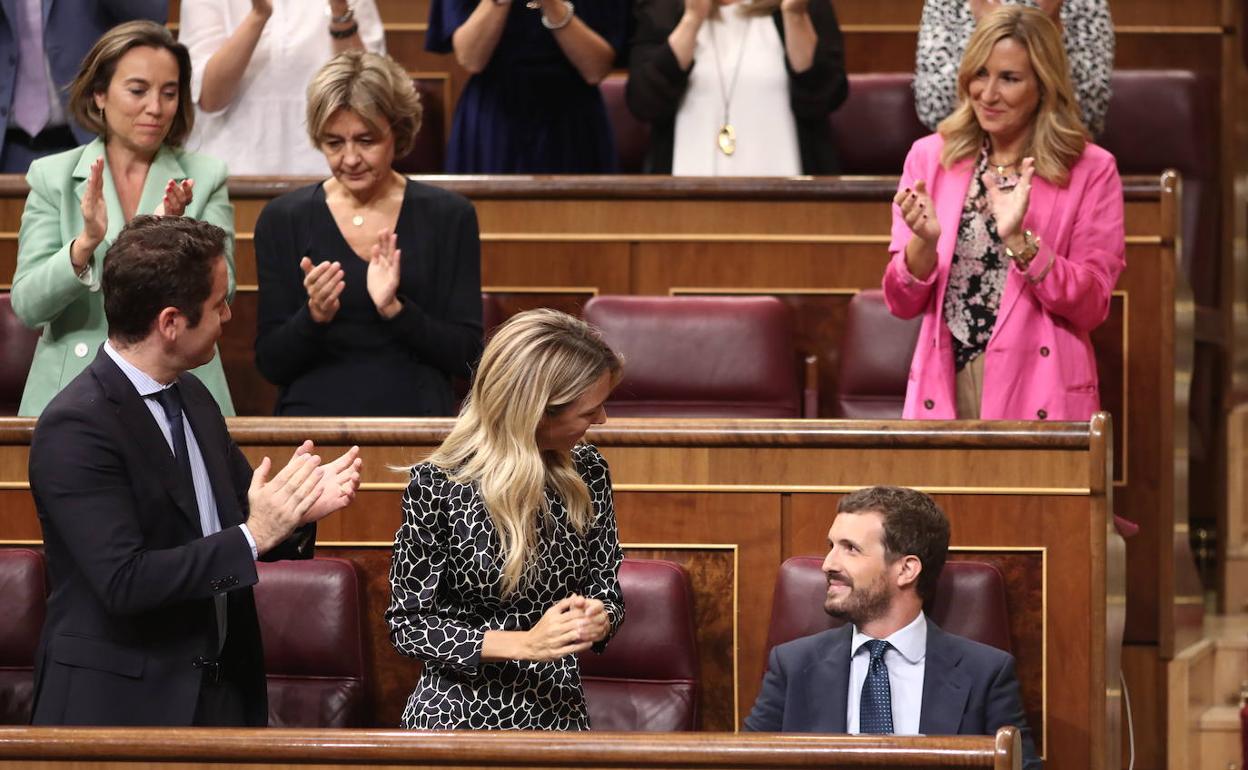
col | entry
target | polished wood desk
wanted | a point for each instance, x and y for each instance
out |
(731, 499)
(52, 748)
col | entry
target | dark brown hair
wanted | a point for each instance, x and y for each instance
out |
(913, 526)
(100, 64)
(155, 263)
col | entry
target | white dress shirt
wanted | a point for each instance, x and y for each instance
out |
(906, 662)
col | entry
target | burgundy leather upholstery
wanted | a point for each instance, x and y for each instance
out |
(17, 350)
(23, 596)
(632, 136)
(1243, 732)
(313, 642)
(428, 156)
(700, 356)
(1160, 119)
(491, 313)
(647, 679)
(874, 128)
(874, 364)
(969, 602)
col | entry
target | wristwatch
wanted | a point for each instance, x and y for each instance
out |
(1023, 258)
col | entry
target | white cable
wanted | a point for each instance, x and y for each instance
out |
(1126, 700)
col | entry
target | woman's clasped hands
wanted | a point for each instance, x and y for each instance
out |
(570, 626)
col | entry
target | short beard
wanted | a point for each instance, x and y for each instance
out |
(863, 605)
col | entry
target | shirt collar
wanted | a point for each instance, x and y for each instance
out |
(910, 640)
(140, 379)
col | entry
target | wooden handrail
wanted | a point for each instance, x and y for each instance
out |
(505, 749)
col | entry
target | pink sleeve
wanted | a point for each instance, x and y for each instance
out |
(1077, 285)
(905, 295)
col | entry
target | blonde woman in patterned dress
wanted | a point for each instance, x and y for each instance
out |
(507, 561)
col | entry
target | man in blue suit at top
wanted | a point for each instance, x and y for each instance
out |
(889, 669)
(42, 43)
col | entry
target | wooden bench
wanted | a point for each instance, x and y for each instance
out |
(731, 499)
(52, 748)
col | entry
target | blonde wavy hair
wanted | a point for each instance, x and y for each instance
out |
(1057, 135)
(371, 85)
(535, 365)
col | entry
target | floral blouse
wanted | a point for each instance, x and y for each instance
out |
(946, 25)
(977, 274)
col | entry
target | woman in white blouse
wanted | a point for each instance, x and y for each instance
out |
(767, 74)
(251, 63)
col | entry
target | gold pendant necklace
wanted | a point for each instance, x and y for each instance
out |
(727, 136)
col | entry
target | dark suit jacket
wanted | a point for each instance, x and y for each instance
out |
(968, 688)
(70, 28)
(132, 576)
(656, 84)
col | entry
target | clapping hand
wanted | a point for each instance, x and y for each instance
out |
(339, 482)
(178, 195)
(918, 212)
(279, 505)
(324, 283)
(94, 217)
(1009, 207)
(383, 274)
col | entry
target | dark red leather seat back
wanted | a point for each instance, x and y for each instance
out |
(23, 591)
(969, 602)
(17, 350)
(1243, 732)
(647, 679)
(1160, 119)
(700, 356)
(632, 136)
(313, 643)
(428, 155)
(874, 364)
(874, 128)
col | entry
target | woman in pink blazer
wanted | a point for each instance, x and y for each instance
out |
(1007, 236)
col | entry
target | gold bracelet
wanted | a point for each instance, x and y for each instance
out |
(1023, 259)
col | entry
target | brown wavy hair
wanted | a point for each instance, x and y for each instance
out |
(1058, 135)
(100, 64)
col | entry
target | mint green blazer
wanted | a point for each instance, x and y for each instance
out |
(48, 295)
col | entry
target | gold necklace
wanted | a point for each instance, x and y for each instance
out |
(727, 136)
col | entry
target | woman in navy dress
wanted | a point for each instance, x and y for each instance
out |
(532, 104)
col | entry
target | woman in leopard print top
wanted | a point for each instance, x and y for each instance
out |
(507, 561)
(946, 25)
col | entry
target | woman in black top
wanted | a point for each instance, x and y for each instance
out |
(661, 60)
(370, 284)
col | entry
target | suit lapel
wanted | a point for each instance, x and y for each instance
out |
(164, 167)
(142, 428)
(945, 686)
(204, 416)
(832, 684)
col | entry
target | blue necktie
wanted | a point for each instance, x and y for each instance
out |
(171, 401)
(875, 709)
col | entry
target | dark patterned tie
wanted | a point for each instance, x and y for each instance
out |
(171, 401)
(875, 709)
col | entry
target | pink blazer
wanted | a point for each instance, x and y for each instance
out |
(1039, 362)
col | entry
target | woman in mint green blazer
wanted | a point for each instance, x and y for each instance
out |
(133, 91)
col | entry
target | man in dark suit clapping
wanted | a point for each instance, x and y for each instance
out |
(152, 518)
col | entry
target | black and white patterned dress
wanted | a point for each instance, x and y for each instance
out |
(946, 25)
(444, 582)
